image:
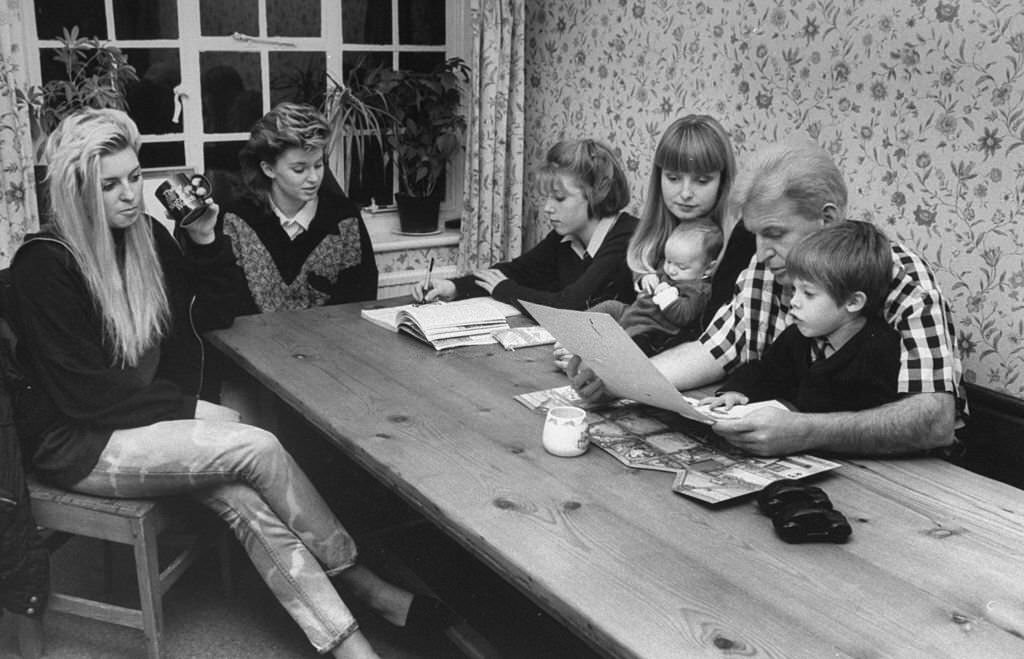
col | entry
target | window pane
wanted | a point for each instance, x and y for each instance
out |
(151, 100)
(293, 18)
(222, 169)
(297, 77)
(225, 17)
(232, 99)
(420, 61)
(366, 21)
(162, 154)
(421, 22)
(53, 15)
(155, 19)
(363, 60)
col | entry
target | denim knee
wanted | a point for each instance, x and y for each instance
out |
(261, 448)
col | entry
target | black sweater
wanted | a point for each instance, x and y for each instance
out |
(553, 274)
(82, 396)
(859, 376)
(332, 262)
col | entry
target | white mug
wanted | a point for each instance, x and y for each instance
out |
(565, 432)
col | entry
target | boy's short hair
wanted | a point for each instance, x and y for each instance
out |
(844, 258)
(710, 234)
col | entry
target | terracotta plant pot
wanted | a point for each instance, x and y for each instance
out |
(418, 214)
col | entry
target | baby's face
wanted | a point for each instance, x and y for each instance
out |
(685, 259)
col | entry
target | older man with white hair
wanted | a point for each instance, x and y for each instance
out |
(789, 191)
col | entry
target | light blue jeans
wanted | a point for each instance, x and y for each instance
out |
(244, 475)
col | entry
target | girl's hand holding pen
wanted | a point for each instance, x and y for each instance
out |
(441, 289)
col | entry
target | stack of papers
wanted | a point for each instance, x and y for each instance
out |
(446, 324)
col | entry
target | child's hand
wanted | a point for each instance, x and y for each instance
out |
(662, 285)
(561, 356)
(647, 283)
(724, 401)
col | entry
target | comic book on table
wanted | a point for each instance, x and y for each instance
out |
(706, 467)
(472, 321)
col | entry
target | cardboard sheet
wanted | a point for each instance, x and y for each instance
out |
(618, 361)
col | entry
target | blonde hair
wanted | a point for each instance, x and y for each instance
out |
(694, 144)
(286, 126)
(130, 296)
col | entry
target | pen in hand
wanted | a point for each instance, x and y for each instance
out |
(426, 282)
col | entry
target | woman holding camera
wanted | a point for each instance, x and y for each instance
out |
(109, 307)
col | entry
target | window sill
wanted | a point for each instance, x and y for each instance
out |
(383, 228)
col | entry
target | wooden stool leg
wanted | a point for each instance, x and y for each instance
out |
(147, 567)
(31, 641)
(108, 567)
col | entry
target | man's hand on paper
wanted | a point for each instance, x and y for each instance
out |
(769, 431)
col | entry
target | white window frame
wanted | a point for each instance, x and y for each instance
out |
(190, 43)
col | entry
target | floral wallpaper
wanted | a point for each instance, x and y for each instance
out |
(18, 214)
(920, 102)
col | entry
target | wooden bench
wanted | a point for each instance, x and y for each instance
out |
(994, 436)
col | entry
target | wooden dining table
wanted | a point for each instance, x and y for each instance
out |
(934, 568)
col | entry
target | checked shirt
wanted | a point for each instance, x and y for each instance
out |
(929, 362)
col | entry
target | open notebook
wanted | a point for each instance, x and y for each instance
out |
(472, 321)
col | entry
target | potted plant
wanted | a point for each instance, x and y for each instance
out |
(355, 114)
(418, 116)
(95, 74)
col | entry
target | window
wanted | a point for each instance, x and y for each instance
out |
(209, 68)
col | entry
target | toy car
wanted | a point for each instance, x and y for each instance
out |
(802, 523)
(786, 492)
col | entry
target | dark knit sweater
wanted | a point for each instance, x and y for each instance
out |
(331, 262)
(553, 274)
(861, 375)
(82, 397)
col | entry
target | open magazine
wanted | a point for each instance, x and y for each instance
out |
(706, 467)
(472, 321)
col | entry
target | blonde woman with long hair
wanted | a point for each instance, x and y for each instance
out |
(109, 307)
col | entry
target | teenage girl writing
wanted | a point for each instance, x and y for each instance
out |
(582, 261)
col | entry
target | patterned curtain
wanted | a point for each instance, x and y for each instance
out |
(492, 219)
(18, 212)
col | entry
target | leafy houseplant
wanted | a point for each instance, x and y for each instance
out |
(418, 115)
(95, 74)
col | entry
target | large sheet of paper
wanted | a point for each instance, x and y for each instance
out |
(618, 361)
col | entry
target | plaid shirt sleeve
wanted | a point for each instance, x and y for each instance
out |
(929, 361)
(745, 326)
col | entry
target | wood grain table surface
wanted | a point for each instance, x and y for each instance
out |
(934, 567)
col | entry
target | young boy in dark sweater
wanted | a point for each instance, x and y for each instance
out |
(837, 353)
